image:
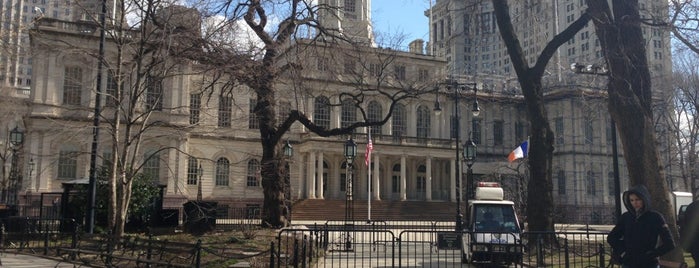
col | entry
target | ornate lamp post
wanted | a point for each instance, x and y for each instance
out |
(350, 152)
(470, 149)
(288, 151)
(16, 140)
(456, 88)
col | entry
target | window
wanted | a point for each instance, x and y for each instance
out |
(253, 173)
(421, 182)
(349, 113)
(350, 66)
(588, 131)
(225, 109)
(72, 85)
(476, 131)
(222, 171)
(253, 122)
(67, 165)
(423, 75)
(561, 182)
(111, 90)
(192, 171)
(154, 93)
(395, 179)
(194, 108)
(559, 130)
(519, 131)
(498, 132)
(350, 6)
(591, 183)
(151, 165)
(374, 115)
(398, 121)
(322, 64)
(284, 110)
(321, 115)
(399, 72)
(423, 123)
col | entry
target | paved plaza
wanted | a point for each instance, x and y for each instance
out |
(12, 260)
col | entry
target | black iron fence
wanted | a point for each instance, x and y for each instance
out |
(379, 244)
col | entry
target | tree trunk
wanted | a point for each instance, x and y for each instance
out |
(540, 187)
(630, 100)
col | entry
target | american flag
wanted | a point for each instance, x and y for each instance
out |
(367, 153)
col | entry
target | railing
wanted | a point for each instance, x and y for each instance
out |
(387, 244)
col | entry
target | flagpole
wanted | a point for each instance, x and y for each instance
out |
(368, 167)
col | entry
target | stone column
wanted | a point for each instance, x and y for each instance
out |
(311, 176)
(428, 179)
(375, 189)
(403, 177)
(319, 168)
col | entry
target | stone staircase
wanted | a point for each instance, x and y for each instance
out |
(334, 210)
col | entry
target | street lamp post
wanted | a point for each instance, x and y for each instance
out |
(350, 152)
(470, 150)
(457, 89)
(288, 151)
(602, 70)
(16, 140)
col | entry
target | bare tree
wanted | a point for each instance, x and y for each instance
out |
(683, 119)
(285, 55)
(630, 98)
(540, 187)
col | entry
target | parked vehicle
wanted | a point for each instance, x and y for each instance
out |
(494, 232)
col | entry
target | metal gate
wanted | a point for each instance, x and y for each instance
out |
(433, 245)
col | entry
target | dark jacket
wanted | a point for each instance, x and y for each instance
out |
(635, 236)
(689, 228)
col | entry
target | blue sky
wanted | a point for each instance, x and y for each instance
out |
(396, 16)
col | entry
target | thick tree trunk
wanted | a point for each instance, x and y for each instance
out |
(540, 187)
(630, 100)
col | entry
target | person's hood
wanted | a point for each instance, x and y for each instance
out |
(641, 192)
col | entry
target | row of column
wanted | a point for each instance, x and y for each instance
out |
(315, 176)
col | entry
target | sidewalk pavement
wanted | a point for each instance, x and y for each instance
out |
(12, 260)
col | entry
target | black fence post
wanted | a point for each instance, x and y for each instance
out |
(46, 241)
(566, 251)
(601, 256)
(271, 255)
(311, 242)
(197, 257)
(296, 252)
(539, 250)
(304, 252)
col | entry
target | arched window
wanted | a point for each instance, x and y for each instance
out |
(375, 112)
(561, 182)
(611, 188)
(349, 113)
(423, 123)
(253, 173)
(591, 183)
(398, 122)
(223, 167)
(321, 112)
